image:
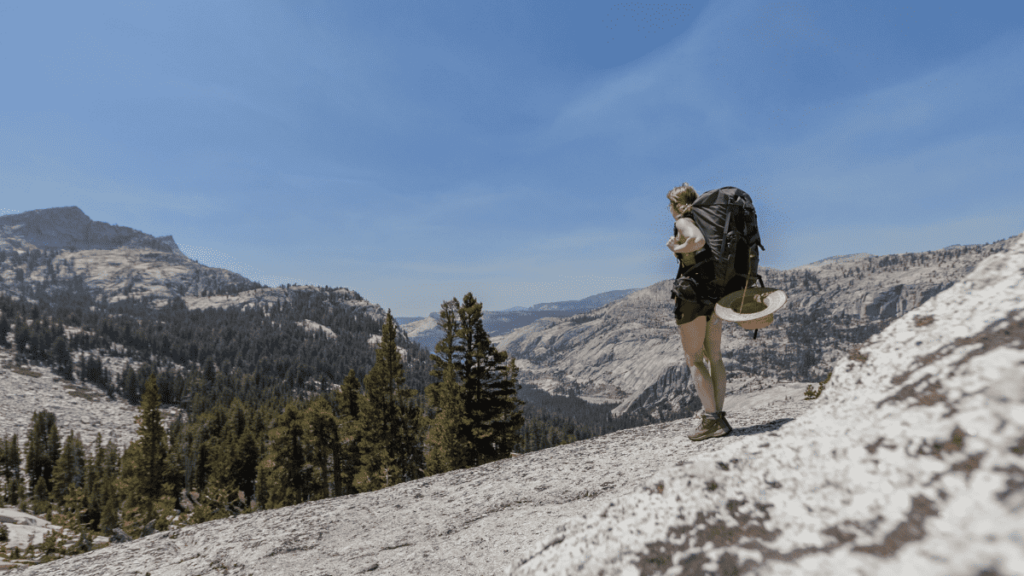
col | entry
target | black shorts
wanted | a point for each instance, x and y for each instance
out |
(688, 310)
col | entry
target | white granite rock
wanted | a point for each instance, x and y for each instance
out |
(80, 407)
(468, 522)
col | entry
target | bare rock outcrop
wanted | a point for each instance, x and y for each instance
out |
(69, 228)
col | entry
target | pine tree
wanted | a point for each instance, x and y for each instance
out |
(448, 440)
(448, 446)
(247, 457)
(492, 403)
(177, 456)
(60, 357)
(346, 455)
(5, 329)
(69, 471)
(109, 515)
(110, 470)
(262, 494)
(446, 347)
(321, 435)
(238, 451)
(21, 336)
(91, 483)
(286, 477)
(513, 420)
(41, 497)
(11, 468)
(43, 447)
(348, 395)
(153, 441)
(143, 464)
(390, 449)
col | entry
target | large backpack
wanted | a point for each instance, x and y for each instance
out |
(727, 219)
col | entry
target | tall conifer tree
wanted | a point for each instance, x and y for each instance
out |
(143, 466)
(10, 468)
(60, 356)
(153, 441)
(5, 329)
(492, 404)
(448, 446)
(512, 420)
(346, 456)
(69, 471)
(43, 446)
(285, 475)
(448, 439)
(390, 447)
(321, 434)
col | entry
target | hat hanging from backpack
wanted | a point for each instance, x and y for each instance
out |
(753, 308)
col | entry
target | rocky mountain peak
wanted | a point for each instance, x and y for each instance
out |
(69, 228)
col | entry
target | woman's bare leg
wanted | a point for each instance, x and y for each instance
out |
(713, 351)
(693, 335)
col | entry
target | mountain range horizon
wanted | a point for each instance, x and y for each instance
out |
(68, 227)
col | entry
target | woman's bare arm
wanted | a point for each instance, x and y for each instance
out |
(688, 237)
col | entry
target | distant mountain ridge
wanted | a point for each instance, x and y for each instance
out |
(68, 228)
(588, 303)
(838, 259)
(426, 332)
(582, 305)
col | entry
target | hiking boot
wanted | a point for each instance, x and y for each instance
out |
(711, 426)
(726, 428)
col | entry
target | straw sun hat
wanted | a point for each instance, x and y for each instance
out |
(758, 307)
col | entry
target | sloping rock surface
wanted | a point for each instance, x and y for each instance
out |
(80, 407)
(472, 522)
(911, 462)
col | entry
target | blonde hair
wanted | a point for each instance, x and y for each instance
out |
(683, 194)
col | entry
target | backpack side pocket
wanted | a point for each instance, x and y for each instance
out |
(685, 288)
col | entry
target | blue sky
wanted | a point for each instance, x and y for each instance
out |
(520, 150)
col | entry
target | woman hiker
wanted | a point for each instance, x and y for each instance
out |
(699, 327)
